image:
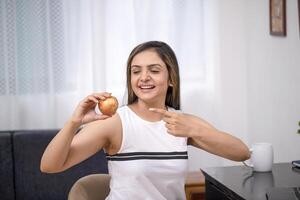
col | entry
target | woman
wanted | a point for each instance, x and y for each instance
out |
(146, 141)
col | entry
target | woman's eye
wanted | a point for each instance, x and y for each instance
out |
(135, 72)
(155, 71)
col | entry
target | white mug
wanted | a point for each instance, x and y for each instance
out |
(261, 157)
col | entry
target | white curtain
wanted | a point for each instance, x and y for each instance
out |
(55, 52)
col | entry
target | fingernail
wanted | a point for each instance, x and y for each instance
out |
(151, 109)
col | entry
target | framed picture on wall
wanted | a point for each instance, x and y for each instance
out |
(299, 15)
(278, 17)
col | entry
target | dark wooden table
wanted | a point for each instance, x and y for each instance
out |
(240, 182)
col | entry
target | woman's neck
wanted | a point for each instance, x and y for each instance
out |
(146, 105)
(142, 109)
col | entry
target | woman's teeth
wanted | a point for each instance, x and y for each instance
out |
(147, 87)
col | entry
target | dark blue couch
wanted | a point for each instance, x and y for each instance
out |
(20, 175)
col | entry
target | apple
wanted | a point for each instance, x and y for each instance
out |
(108, 106)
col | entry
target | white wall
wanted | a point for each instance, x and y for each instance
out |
(226, 46)
(258, 78)
(273, 81)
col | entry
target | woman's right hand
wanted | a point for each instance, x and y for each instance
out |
(85, 111)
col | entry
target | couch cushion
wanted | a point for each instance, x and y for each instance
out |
(6, 167)
(31, 183)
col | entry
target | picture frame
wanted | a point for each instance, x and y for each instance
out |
(299, 15)
(278, 17)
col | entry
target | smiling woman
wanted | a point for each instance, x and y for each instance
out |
(146, 140)
(149, 76)
(159, 63)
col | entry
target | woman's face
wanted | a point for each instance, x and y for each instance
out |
(149, 77)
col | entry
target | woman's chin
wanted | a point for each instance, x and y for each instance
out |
(149, 96)
(146, 94)
(150, 100)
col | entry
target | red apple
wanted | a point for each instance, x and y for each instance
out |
(108, 106)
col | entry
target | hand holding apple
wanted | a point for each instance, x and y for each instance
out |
(85, 110)
(108, 106)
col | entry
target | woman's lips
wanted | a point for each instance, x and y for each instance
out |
(146, 88)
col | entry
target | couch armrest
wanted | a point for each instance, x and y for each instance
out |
(31, 183)
(6, 167)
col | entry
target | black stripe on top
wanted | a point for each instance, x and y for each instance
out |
(148, 156)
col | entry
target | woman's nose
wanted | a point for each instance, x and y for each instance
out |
(145, 76)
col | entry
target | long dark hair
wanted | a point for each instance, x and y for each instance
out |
(168, 56)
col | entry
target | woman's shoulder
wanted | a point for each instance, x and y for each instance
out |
(109, 125)
(123, 110)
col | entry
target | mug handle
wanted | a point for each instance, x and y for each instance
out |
(245, 162)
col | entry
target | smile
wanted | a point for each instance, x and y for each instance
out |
(146, 87)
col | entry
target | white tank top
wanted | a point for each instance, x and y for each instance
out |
(151, 163)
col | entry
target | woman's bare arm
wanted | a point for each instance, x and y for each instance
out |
(68, 148)
(204, 136)
(221, 144)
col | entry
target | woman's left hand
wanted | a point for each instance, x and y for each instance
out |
(181, 124)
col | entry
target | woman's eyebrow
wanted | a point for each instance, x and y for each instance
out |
(154, 65)
(151, 65)
(135, 66)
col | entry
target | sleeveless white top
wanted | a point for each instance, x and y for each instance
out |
(151, 163)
